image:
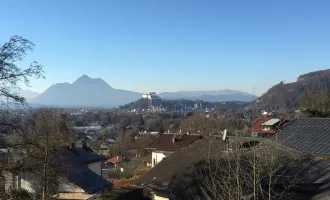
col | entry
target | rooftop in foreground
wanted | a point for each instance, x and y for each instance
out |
(173, 142)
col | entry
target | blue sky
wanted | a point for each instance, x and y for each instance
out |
(172, 45)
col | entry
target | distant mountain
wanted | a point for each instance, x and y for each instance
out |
(211, 96)
(27, 94)
(85, 91)
(286, 95)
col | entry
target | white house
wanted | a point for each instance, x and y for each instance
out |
(167, 143)
(158, 156)
(269, 125)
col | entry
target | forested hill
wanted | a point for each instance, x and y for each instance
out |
(287, 95)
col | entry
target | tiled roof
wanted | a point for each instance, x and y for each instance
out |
(86, 155)
(72, 165)
(165, 142)
(176, 174)
(256, 127)
(86, 179)
(79, 174)
(177, 162)
(308, 135)
(115, 160)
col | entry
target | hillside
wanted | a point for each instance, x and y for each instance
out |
(85, 91)
(286, 95)
(27, 94)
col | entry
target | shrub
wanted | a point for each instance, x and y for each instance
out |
(21, 194)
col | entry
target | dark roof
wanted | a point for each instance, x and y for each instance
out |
(81, 175)
(160, 175)
(71, 164)
(86, 179)
(177, 173)
(164, 142)
(308, 135)
(85, 155)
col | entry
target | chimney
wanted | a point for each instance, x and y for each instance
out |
(174, 139)
(117, 157)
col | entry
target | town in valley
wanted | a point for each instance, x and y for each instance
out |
(164, 100)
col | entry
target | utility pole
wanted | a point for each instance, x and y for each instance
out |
(255, 102)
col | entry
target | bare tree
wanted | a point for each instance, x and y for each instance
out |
(210, 125)
(315, 104)
(43, 149)
(253, 169)
(12, 76)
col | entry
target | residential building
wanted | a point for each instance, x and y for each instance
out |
(177, 176)
(114, 161)
(167, 143)
(308, 135)
(268, 126)
(80, 179)
(256, 126)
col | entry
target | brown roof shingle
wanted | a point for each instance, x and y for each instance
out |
(165, 142)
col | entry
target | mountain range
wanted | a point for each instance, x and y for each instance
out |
(27, 94)
(95, 92)
(85, 91)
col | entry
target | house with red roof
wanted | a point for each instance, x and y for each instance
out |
(256, 126)
(268, 126)
(167, 143)
(112, 162)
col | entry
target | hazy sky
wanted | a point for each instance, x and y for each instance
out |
(171, 45)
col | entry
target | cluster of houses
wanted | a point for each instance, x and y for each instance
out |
(171, 156)
(151, 109)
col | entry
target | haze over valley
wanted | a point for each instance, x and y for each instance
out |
(86, 91)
